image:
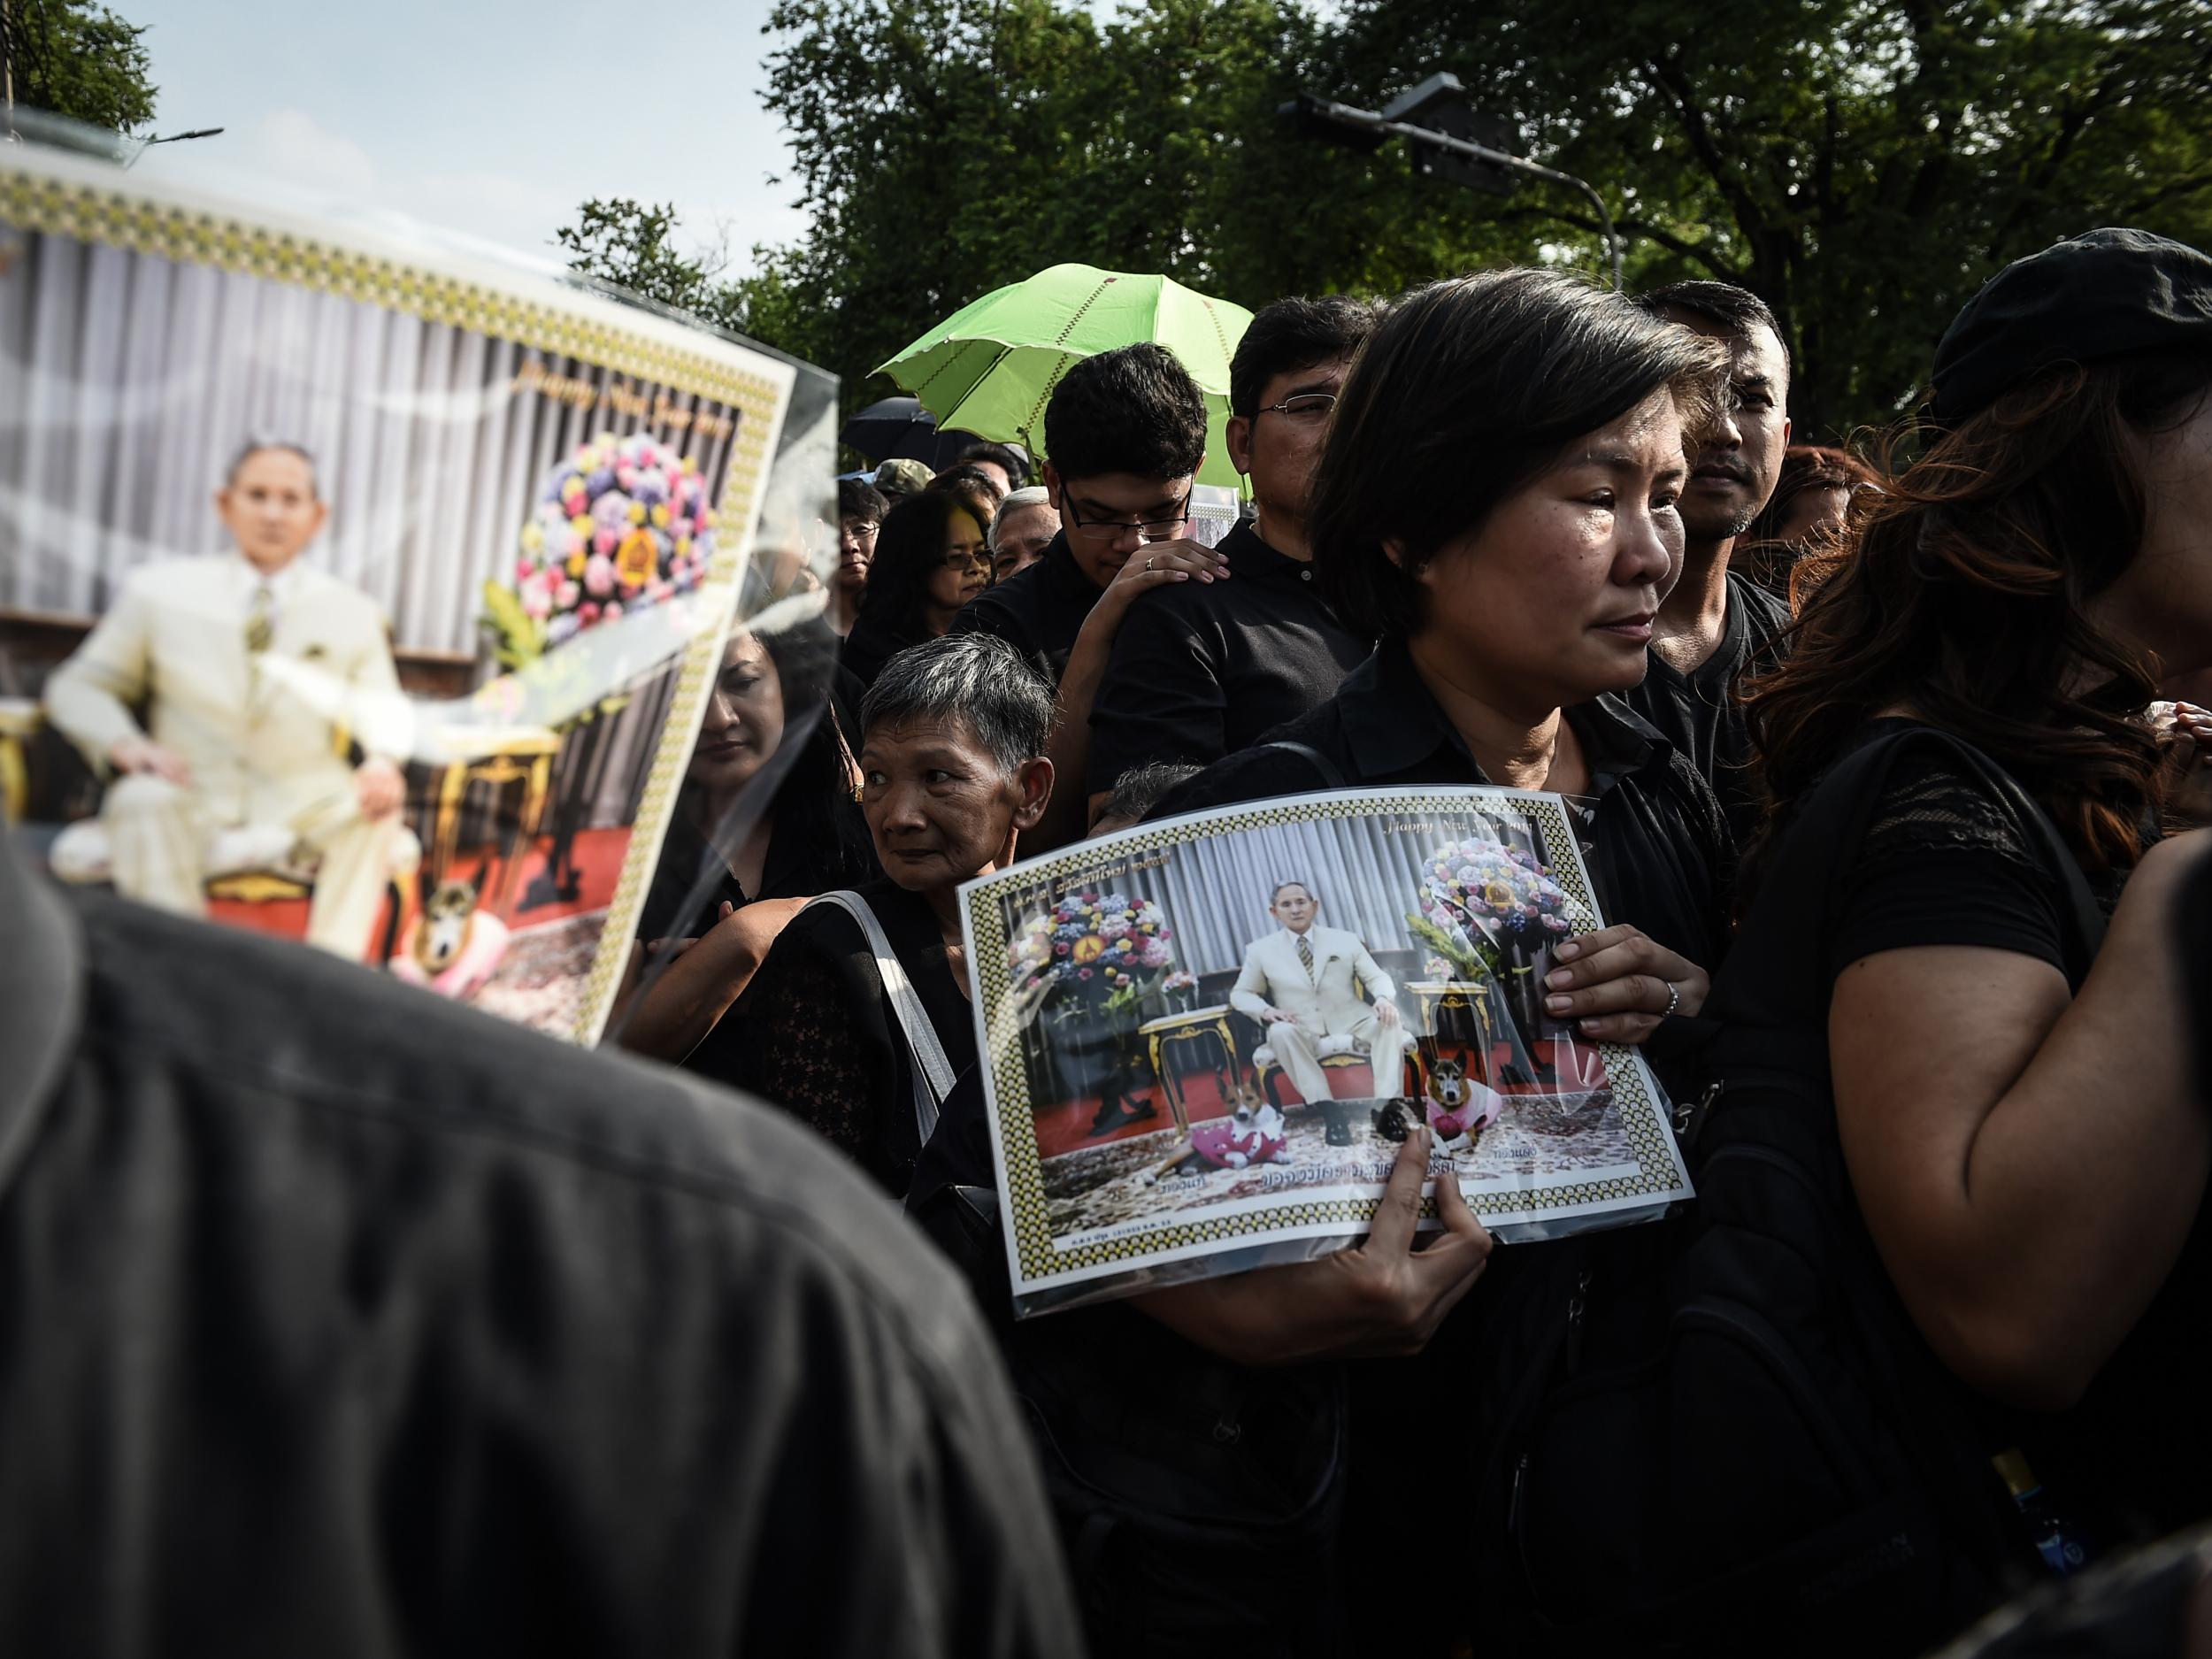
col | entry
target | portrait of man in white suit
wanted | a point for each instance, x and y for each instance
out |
(1298, 983)
(254, 671)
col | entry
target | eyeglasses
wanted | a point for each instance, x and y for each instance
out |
(1147, 529)
(859, 531)
(1308, 407)
(976, 560)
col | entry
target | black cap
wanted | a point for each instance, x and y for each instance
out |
(2103, 293)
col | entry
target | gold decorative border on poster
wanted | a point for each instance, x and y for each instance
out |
(1022, 1200)
(114, 217)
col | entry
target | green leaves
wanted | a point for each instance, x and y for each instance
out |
(78, 58)
(516, 638)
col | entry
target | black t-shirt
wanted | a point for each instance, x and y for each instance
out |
(1945, 861)
(815, 1034)
(1200, 670)
(1697, 712)
(866, 650)
(804, 858)
(1038, 611)
(1657, 850)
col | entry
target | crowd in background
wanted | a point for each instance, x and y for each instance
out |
(1888, 803)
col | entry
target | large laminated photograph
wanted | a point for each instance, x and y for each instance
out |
(1207, 1038)
(364, 588)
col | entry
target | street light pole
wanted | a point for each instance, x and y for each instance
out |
(145, 145)
(1314, 106)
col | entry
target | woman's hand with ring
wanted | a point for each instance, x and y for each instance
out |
(1617, 985)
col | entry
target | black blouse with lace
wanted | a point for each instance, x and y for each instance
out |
(816, 1034)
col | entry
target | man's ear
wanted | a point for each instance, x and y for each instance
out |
(1239, 433)
(1055, 491)
(1035, 778)
(1395, 549)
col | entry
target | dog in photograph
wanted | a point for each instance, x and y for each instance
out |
(451, 946)
(1458, 1108)
(1253, 1133)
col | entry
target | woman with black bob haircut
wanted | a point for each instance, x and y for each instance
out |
(1963, 777)
(933, 556)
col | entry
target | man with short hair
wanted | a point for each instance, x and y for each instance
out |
(1125, 434)
(1715, 622)
(1000, 459)
(1200, 670)
(1298, 983)
(1021, 530)
(249, 665)
(860, 510)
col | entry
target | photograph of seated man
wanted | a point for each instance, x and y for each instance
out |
(1299, 983)
(256, 672)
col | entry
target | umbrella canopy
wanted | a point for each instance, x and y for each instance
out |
(900, 429)
(992, 366)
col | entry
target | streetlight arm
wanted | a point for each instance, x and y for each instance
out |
(1368, 120)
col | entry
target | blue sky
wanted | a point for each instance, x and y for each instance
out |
(496, 117)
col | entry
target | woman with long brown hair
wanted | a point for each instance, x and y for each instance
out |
(2022, 1134)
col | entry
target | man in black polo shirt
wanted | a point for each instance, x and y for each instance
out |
(1200, 670)
(1715, 622)
(1124, 434)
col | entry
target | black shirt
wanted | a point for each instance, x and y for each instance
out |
(1697, 712)
(342, 1320)
(1656, 849)
(1200, 670)
(1038, 611)
(866, 650)
(815, 1034)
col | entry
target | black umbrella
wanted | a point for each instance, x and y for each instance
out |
(900, 429)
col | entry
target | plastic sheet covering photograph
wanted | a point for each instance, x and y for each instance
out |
(360, 586)
(1206, 1039)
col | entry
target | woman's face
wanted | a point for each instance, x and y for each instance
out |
(1550, 600)
(966, 569)
(744, 719)
(940, 810)
(2163, 598)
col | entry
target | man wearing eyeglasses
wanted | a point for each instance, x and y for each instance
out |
(1124, 434)
(860, 510)
(1201, 670)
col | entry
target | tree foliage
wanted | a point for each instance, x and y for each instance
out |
(77, 59)
(1862, 164)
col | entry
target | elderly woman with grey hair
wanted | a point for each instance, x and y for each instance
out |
(952, 772)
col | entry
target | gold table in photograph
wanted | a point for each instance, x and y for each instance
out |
(1163, 1033)
(1433, 997)
(497, 755)
(20, 718)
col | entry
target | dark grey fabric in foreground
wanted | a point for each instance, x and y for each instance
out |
(337, 1320)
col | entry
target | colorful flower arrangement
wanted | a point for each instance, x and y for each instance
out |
(1110, 948)
(1482, 901)
(621, 524)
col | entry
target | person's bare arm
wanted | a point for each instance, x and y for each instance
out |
(697, 988)
(1068, 815)
(1387, 1297)
(2029, 1167)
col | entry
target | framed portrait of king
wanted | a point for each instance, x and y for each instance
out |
(363, 587)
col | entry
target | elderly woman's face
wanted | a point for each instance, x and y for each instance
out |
(939, 807)
(744, 719)
(1550, 600)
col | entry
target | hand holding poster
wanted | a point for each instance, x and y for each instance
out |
(1206, 1040)
(362, 588)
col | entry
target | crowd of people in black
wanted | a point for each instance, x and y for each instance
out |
(1889, 788)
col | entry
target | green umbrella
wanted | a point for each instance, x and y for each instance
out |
(990, 367)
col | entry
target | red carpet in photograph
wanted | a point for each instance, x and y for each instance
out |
(598, 859)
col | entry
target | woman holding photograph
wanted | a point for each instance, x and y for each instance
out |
(952, 772)
(763, 824)
(931, 557)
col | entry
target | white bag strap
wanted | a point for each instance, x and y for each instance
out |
(933, 1071)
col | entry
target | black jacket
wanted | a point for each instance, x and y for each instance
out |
(335, 1319)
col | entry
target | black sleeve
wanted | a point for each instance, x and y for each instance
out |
(985, 615)
(808, 1038)
(1945, 863)
(1161, 699)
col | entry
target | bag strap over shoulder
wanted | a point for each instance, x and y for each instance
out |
(933, 1071)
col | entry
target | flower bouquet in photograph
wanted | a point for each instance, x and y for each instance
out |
(1494, 912)
(1102, 955)
(621, 525)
